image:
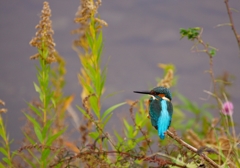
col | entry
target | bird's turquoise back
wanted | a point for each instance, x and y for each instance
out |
(164, 119)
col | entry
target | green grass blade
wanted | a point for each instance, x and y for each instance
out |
(39, 134)
(110, 109)
(3, 151)
(54, 137)
(33, 121)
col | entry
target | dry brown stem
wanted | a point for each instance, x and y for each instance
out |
(232, 23)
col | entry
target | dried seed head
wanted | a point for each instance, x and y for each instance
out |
(167, 80)
(102, 22)
(3, 110)
(44, 36)
(87, 9)
(2, 102)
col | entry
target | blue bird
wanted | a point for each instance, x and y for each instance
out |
(160, 109)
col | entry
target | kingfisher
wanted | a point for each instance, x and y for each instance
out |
(160, 109)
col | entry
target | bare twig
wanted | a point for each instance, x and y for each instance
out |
(232, 23)
(206, 47)
(193, 149)
(82, 154)
(151, 158)
(210, 71)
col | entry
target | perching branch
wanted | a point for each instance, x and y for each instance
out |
(193, 149)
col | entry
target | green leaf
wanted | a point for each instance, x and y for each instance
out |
(92, 29)
(94, 135)
(48, 98)
(2, 166)
(40, 51)
(190, 123)
(140, 119)
(33, 165)
(37, 89)
(190, 33)
(111, 94)
(45, 53)
(90, 71)
(38, 133)
(97, 84)
(45, 154)
(46, 128)
(86, 85)
(94, 105)
(33, 121)
(99, 52)
(107, 119)
(6, 160)
(89, 39)
(54, 137)
(35, 109)
(2, 133)
(59, 165)
(126, 124)
(188, 105)
(120, 139)
(53, 101)
(83, 112)
(212, 52)
(110, 109)
(99, 45)
(3, 151)
(29, 138)
(138, 140)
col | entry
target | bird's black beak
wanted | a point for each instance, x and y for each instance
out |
(142, 92)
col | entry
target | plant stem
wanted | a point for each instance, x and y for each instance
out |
(232, 23)
(210, 71)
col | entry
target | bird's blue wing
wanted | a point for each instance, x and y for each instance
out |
(170, 111)
(154, 111)
(164, 119)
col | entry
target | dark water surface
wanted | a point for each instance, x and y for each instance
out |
(140, 35)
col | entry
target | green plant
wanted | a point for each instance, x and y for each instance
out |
(43, 116)
(5, 148)
(226, 142)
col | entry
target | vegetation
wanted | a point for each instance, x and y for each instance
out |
(204, 142)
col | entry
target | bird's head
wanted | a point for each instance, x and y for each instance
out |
(158, 92)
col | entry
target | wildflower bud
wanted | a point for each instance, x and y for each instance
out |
(227, 108)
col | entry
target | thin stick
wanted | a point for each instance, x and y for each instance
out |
(232, 23)
(193, 149)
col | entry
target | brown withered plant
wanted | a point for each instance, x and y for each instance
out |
(44, 36)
